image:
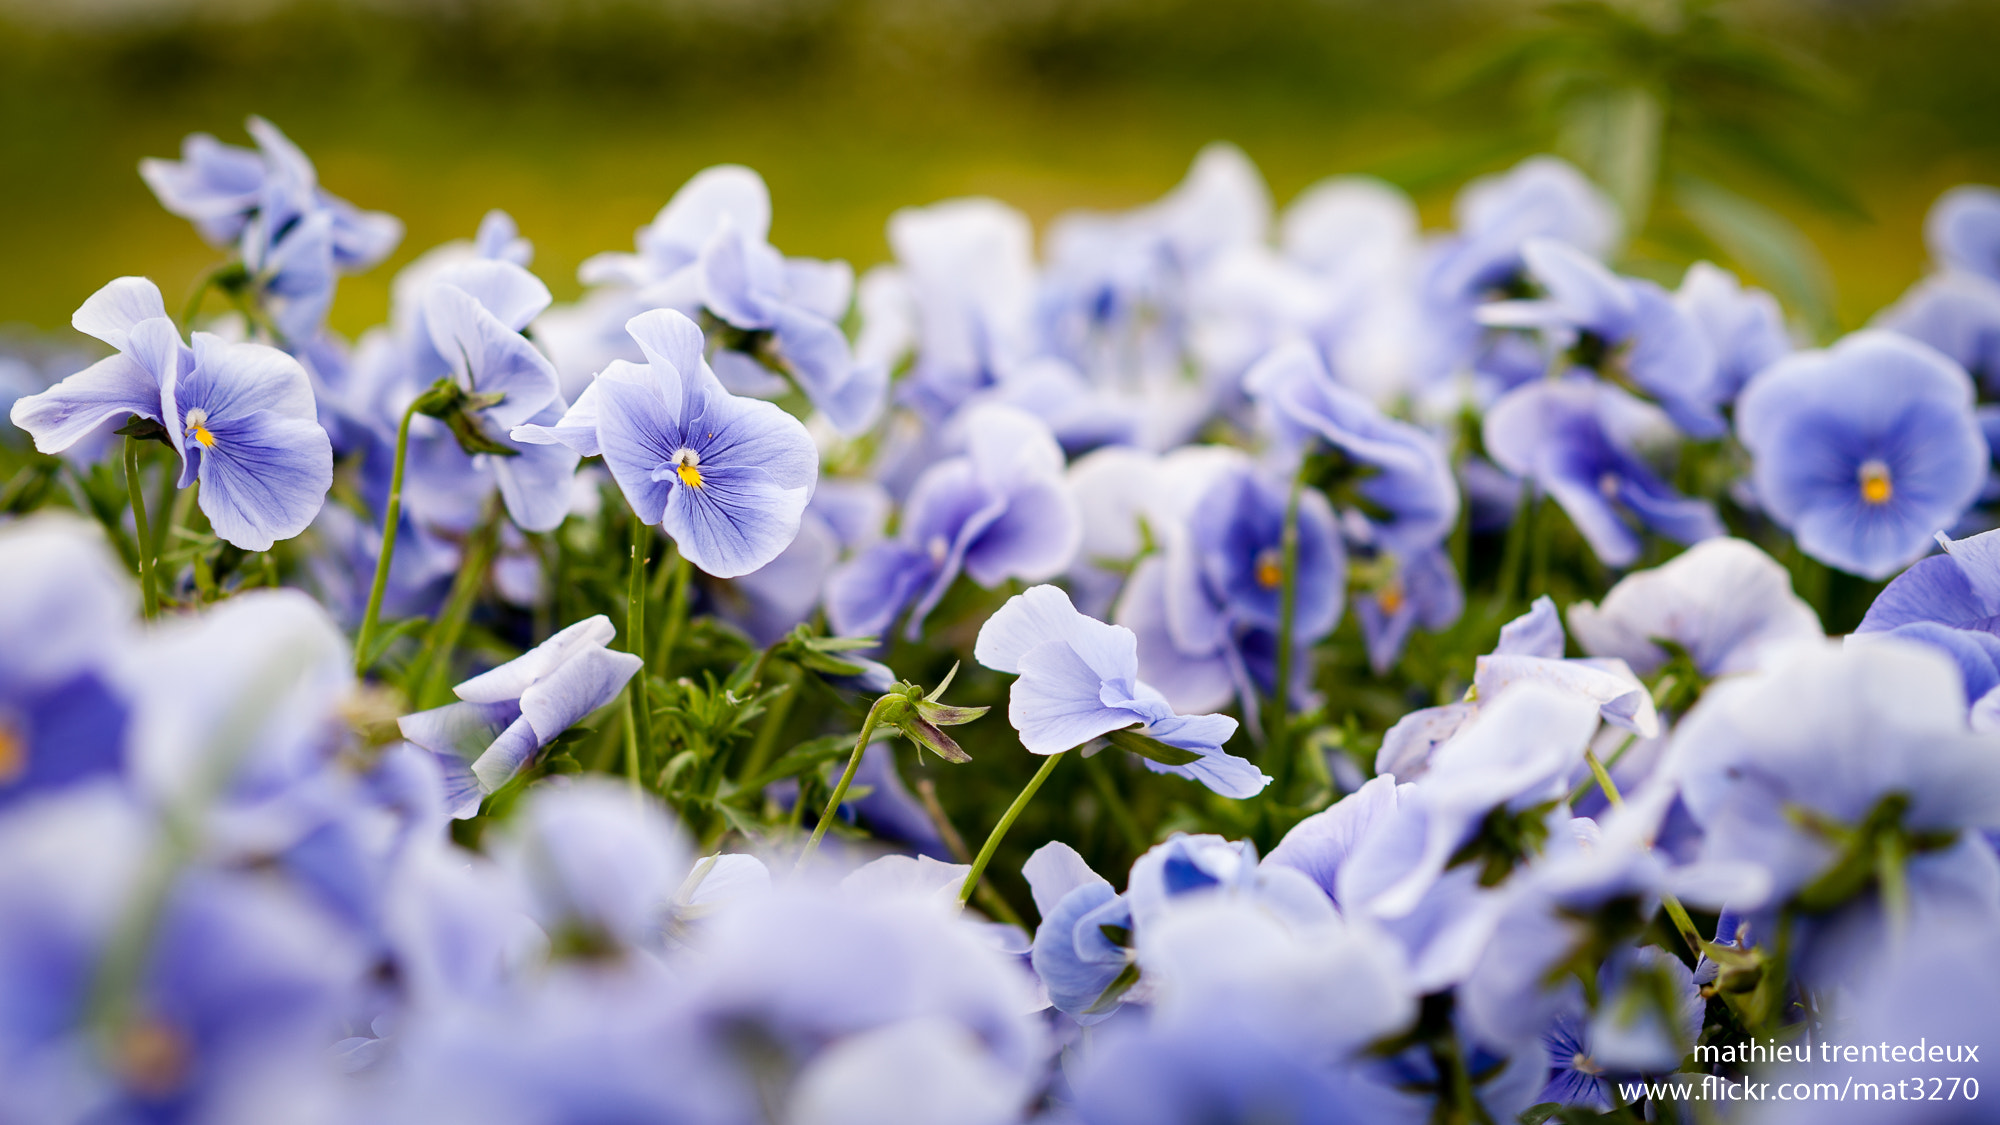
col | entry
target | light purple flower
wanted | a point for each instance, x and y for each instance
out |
(1001, 510)
(727, 477)
(506, 716)
(1579, 440)
(1079, 680)
(1865, 450)
(241, 416)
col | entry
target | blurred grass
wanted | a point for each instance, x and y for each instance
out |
(582, 119)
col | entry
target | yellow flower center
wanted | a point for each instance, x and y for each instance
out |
(687, 466)
(1390, 597)
(1270, 568)
(152, 1058)
(1875, 485)
(13, 754)
(197, 427)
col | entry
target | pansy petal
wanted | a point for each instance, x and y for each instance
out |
(739, 519)
(582, 684)
(265, 478)
(1056, 703)
(111, 388)
(110, 313)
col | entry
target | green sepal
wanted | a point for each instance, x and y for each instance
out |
(456, 406)
(1115, 991)
(934, 740)
(1151, 749)
(144, 429)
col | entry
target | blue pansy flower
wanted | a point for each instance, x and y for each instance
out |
(1421, 589)
(1404, 483)
(1541, 197)
(1626, 328)
(292, 237)
(1579, 440)
(961, 297)
(65, 609)
(241, 416)
(220, 188)
(1837, 748)
(1001, 510)
(1073, 954)
(790, 307)
(506, 716)
(473, 314)
(727, 477)
(1206, 612)
(1079, 680)
(1864, 450)
(1745, 328)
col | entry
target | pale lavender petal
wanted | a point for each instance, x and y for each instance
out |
(110, 313)
(265, 478)
(582, 684)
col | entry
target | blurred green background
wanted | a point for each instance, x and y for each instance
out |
(581, 118)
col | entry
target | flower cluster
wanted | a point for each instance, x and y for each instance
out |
(1413, 650)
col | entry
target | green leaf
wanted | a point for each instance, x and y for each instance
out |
(1150, 748)
(799, 759)
(389, 635)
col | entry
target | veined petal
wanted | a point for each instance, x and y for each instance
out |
(750, 433)
(265, 478)
(1056, 703)
(64, 414)
(110, 313)
(738, 519)
(512, 294)
(580, 685)
(463, 730)
(638, 431)
(489, 356)
(577, 427)
(232, 380)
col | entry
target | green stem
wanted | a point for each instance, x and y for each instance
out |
(1114, 803)
(677, 611)
(1288, 600)
(1668, 902)
(148, 550)
(1007, 819)
(1603, 777)
(1538, 551)
(1889, 860)
(846, 779)
(392, 516)
(632, 748)
(1511, 554)
(434, 662)
(772, 725)
(1600, 775)
(635, 643)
